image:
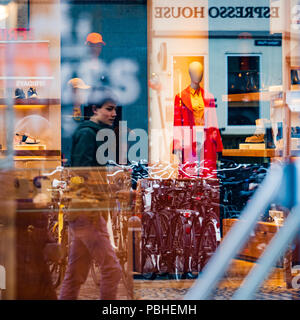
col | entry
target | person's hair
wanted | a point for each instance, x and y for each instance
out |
(96, 99)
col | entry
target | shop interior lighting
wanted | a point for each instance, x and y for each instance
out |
(3, 12)
(25, 106)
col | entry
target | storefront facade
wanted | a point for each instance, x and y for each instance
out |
(222, 38)
(179, 110)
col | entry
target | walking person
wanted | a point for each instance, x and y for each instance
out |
(89, 235)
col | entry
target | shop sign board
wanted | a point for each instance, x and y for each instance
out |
(25, 63)
(15, 34)
(198, 15)
(176, 15)
(268, 43)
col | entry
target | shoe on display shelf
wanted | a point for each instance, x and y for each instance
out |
(19, 94)
(256, 138)
(24, 138)
(31, 93)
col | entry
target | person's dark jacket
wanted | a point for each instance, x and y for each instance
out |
(84, 144)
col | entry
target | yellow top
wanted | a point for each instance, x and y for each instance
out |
(198, 106)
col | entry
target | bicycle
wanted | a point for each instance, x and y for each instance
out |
(156, 244)
(56, 252)
(198, 231)
(170, 236)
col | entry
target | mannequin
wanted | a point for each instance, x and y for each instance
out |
(196, 134)
(196, 74)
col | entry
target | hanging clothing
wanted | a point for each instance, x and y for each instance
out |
(188, 123)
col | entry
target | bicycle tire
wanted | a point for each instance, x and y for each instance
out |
(149, 250)
(179, 250)
(58, 268)
(208, 243)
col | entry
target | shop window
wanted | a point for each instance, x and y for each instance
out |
(242, 87)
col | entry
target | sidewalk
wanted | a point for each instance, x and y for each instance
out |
(273, 289)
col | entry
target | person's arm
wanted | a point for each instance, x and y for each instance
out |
(84, 150)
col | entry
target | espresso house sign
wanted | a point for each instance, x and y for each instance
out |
(216, 12)
(195, 15)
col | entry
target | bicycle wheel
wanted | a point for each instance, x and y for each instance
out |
(164, 262)
(195, 259)
(119, 220)
(208, 243)
(150, 247)
(179, 250)
(58, 266)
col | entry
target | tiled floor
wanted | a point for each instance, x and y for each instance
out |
(273, 289)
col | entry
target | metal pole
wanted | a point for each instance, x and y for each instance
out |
(277, 245)
(286, 80)
(237, 236)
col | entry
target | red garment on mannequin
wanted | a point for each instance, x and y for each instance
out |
(184, 117)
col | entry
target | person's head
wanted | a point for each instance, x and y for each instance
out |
(79, 90)
(95, 43)
(104, 108)
(196, 72)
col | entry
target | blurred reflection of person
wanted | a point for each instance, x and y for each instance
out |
(88, 231)
(92, 69)
(196, 133)
(78, 88)
(95, 43)
(71, 115)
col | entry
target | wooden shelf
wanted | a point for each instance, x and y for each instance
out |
(34, 153)
(31, 102)
(247, 97)
(267, 153)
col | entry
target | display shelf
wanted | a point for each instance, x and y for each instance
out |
(33, 153)
(30, 147)
(267, 153)
(247, 97)
(31, 102)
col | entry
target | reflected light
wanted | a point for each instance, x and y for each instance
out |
(3, 12)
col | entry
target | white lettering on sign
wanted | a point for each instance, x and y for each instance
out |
(30, 83)
(121, 74)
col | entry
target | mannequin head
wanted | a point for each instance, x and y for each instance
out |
(196, 73)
